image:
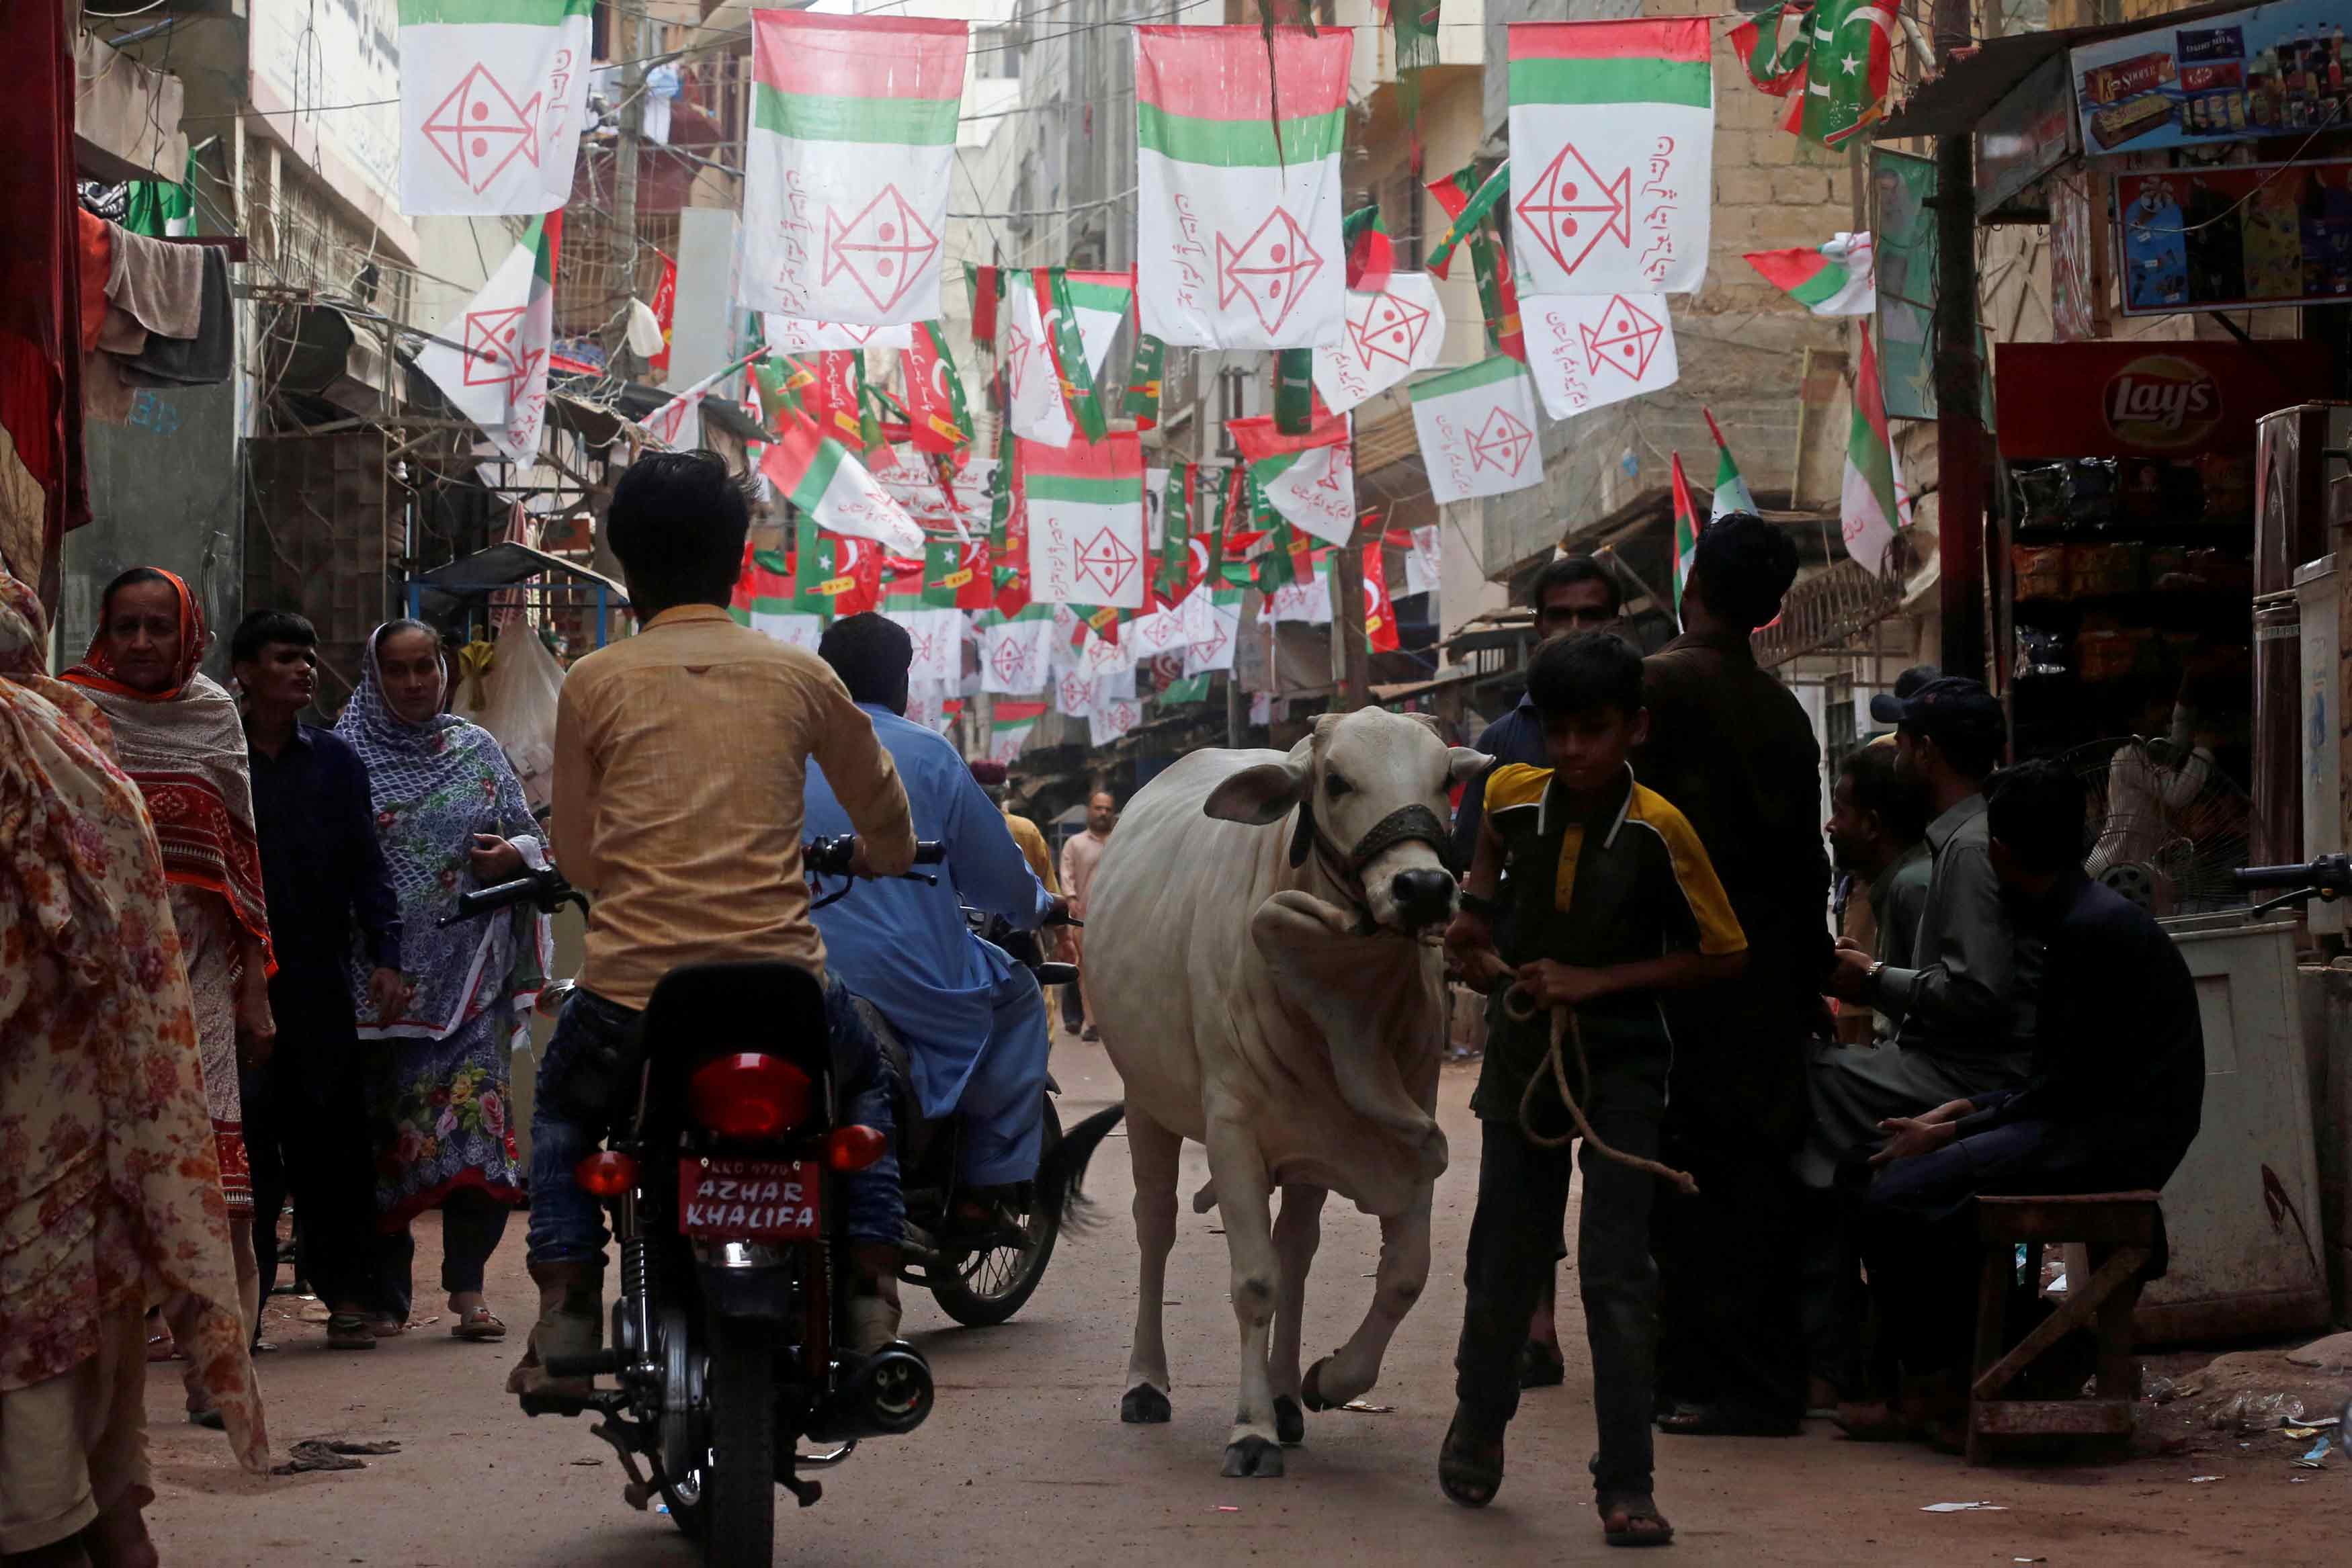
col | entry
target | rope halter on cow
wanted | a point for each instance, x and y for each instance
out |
(1406, 824)
(1520, 1006)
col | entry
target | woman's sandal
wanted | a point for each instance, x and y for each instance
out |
(1623, 1516)
(349, 1330)
(1468, 1472)
(480, 1323)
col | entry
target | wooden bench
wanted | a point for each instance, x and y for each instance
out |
(2120, 1231)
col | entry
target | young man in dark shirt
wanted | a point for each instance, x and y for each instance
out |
(1613, 903)
(2111, 1104)
(322, 872)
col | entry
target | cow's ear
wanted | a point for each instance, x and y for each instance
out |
(1259, 795)
(1464, 764)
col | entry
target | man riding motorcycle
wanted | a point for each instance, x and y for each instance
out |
(974, 1021)
(678, 761)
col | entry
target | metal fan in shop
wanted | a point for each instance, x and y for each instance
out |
(2170, 826)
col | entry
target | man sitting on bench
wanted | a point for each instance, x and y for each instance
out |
(2112, 1104)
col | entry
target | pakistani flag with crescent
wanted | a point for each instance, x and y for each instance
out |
(1238, 195)
(492, 104)
(1612, 149)
(491, 359)
(1852, 61)
(1040, 411)
(851, 151)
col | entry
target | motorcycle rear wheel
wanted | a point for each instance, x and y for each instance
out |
(739, 1488)
(987, 1289)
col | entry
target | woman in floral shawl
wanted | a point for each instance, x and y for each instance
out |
(110, 1186)
(179, 736)
(448, 805)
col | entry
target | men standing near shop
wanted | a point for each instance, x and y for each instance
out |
(322, 872)
(1732, 747)
(1080, 854)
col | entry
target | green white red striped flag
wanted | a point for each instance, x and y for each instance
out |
(1085, 506)
(1612, 138)
(1836, 279)
(1732, 492)
(1310, 479)
(1478, 430)
(826, 481)
(1686, 530)
(1009, 728)
(1870, 504)
(1238, 208)
(498, 377)
(493, 101)
(851, 150)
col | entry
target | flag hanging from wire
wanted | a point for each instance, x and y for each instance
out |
(493, 95)
(851, 151)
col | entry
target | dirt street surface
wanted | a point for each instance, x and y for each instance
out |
(1024, 1460)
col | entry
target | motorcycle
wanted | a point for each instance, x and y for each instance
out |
(728, 1338)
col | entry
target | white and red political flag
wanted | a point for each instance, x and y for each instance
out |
(1589, 350)
(1391, 331)
(1310, 479)
(1085, 504)
(1040, 409)
(851, 150)
(791, 335)
(1612, 149)
(1478, 430)
(1237, 218)
(1016, 655)
(492, 104)
(490, 361)
(1009, 724)
(1212, 627)
(1423, 565)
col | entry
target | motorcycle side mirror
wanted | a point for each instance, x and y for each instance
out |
(551, 997)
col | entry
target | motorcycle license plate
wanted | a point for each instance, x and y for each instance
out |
(749, 1200)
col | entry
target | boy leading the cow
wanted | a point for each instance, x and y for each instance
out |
(1613, 901)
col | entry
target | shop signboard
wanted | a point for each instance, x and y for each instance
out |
(2240, 237)
(2146, 399)
(2028, 134)
(2281, 69)
(1903, 223)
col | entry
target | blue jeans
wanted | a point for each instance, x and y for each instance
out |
(567, 1226)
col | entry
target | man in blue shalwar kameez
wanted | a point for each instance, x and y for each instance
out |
(974, 1021)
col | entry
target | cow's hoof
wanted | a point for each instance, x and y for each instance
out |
(1253, 1458)
(1310, 1388)
(1289, 1421)
(1144, 1405)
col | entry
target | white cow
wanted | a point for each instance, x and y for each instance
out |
(1275, 994)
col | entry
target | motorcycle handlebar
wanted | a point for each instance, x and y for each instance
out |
(831, 856)
(2327, 873)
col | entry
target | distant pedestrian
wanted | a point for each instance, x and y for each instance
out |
(450, 813)
(1080, 854)
(307, 1123)
(178, 735)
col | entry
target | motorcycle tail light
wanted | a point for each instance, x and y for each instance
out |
(606, 1174)
(747, 1095)
(854, 1148)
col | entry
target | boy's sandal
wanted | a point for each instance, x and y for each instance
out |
(349, 1330)
(479, 1323)
(1631, 1519)
(1469, 1472)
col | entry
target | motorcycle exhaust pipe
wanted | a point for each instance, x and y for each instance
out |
(887, 1395)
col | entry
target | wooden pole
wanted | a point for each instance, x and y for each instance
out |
(1961, 457)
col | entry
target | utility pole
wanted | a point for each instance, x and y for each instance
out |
(638, 33)
(1961, 451)
(1351, 655)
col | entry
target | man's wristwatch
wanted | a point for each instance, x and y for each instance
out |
(1870, 975)
(1484, 908)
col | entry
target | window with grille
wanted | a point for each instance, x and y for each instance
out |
(1839, 735)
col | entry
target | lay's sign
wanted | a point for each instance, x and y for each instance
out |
(2146, 400)
(2163, 402)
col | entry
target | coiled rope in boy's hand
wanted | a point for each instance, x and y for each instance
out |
(1519, 1006)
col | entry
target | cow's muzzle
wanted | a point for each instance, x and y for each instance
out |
(1424, 896)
